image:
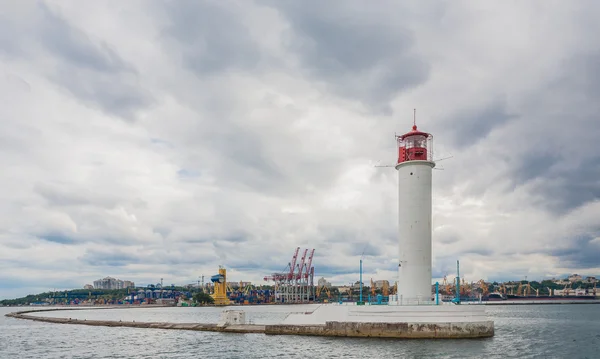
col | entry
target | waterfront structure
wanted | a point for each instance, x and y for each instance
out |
(380, 284)
(113, 283)
(322, 282)
(220, 283)
(296, 283)
(575, 278)
(414, 166)
(413, 312)
(237, 285)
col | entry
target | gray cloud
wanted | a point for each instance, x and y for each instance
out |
(91, 70)
(60, 196)
(557, 155)
(565, 189)
(110, 259)
(530, 166)
(57, 238)
(584, 252)
(472, 125)
(360, 53)
(210, 36)
(8, 46)
(117, 257)
(73, 47)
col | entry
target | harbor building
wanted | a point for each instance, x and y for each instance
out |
(113, 283)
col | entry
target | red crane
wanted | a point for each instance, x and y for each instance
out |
(309, 266)
(293, 264)
(301, 266)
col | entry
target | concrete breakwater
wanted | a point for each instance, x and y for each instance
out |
(244, 328)
(537, 302)
(450, 330)
(388, 330)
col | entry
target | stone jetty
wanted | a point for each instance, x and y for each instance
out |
(209, 327)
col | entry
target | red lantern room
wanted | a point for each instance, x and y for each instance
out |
(415, 146)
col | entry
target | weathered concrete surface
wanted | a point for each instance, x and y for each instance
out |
(426, 314)
(540, 301)
(388, 330)
(246, 328)
(479, 329)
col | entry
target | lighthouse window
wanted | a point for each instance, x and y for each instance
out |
(416, 141)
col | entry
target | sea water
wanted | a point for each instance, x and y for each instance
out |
(528, 331)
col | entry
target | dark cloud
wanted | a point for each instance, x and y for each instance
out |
(356, 51)
(249, 264)
(244, 152)
(59, 196)
(329, 270)
(479, 251)
(184, 173)
(92, 72)
(363, 248)
(530, 166)
(163, 232)
(210, 36)
(557, 153)
(564, 189)
(446, 239)
(583, 252)
(582, 72)
(471, 126)
(73, 47)
(197, 240)
(58, 238)
(164, 257)
(110, 259)
(236, 238)
(229, 238)
(8, 46)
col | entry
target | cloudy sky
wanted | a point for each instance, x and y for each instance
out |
(160, 139)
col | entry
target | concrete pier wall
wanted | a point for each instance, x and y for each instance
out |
(246, 328)
(389, 330)
(389, 314)
(383, 324)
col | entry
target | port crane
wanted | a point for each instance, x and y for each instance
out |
(295, 284)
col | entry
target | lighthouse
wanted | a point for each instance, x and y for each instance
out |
(410, 318)
(414, 166)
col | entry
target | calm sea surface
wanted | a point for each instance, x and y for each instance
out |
(545, 331)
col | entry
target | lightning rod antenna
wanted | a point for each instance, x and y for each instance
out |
(414, 117)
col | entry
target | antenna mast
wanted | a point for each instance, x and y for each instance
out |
(414, 117)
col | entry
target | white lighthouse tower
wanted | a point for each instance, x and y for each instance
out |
(417, 315)
(415, 165)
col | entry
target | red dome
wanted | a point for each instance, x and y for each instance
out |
(414, 132)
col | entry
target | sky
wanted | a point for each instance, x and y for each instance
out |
(160, 139)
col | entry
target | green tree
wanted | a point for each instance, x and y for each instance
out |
(203, 298)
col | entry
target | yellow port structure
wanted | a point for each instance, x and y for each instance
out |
(220, 284)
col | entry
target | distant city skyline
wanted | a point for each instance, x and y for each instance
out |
(112, 283)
